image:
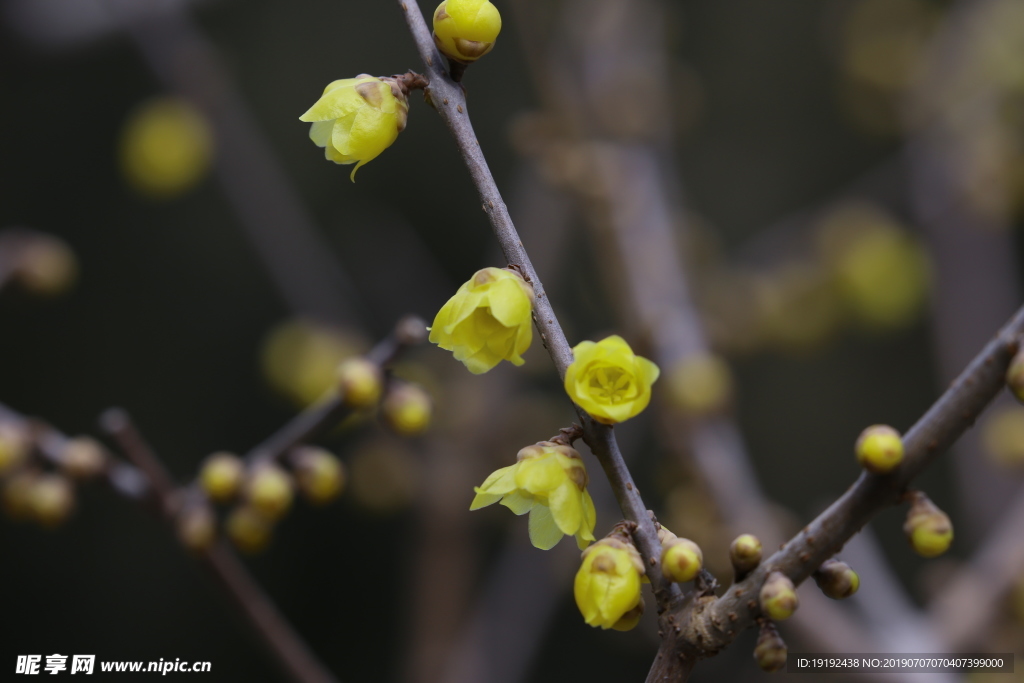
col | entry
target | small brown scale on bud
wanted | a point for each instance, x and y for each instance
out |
(745, 553)
(836, 579)
(778, 597)
(771, 651)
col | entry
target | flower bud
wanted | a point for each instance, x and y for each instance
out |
(248, 529)
(197, 527)
(358, 118)
(836, 579)
(361, 383)
(770, 652)
(221, 476)
(928, 528)
(407, 409)
(700, 384)
(465, 30)
(166, 147)
(46, 266)
(83, 458)
(488, 320)
(681, 559)
(879, 449)
(16, 489)
(50, 499)
(607, 585)
(269, 490)
(745, 553)
(629, 620)
(14, 446)
(1015, 376)
(778, 597)
(319, 474)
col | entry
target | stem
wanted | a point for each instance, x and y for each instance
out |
(313, 420)
(715, 626)
(450, 101)
(294, 655)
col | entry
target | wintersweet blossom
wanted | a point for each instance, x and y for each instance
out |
(609, 381)
(550, 482)
(607, 586)
(465, 30)
(487, 321)
(358, 118)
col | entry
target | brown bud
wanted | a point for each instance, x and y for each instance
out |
(770, 651)
(928, 528)
(197, 527)
(83, 458)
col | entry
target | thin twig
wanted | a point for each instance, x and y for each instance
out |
(322, 415)
(711, 626)
(449, 100)
(297, 659)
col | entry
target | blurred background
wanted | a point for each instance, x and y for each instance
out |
(804, 211)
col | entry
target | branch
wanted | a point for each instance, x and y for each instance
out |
(278, 634)
(709, 626)
(409, 331)
(149, 481)
(450, 101)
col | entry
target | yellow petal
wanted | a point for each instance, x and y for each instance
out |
(320, 132)
(544, 533)
(334, 105)
(509, 304)
(540, 476)
(518, 503)
(566, 508)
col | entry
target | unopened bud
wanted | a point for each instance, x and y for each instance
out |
(836, 579)
(197, 527)
(879, 449)
(770, 652)
(50, 499)
(83, 458)
(46, 266)
(221, 476)
(411, 330)
(1015, 376)
(407, 409)
(248, 529)
(319, 474)
(629, 620)
(928, 528)
(361, 383)
(465, 30)
(269, 490)
(745, 553)
(16, 489)
(778, 597)
(681, 560)
(14, 446)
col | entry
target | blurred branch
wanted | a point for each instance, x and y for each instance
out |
(310, 280)
(449, 99)
(409, 331)
(148, 481)
(710, 625)
(976, 283)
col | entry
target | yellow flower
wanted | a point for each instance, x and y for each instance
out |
(487, 321)
(166, 147)
(608, 381)
(550, 482)
(607, 586)
(465, 30)
(358, 118)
